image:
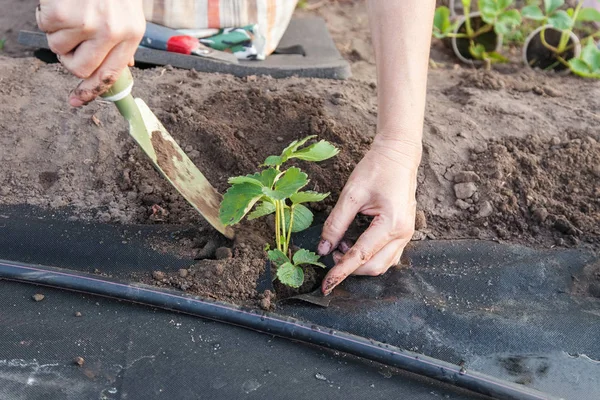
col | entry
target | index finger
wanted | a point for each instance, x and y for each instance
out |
(368, 244)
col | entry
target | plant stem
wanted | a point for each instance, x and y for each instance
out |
(545, 43)
(482, 30)
(467, 11)
(277, 234)
(566, 34)
(289, 234)
(282, 214)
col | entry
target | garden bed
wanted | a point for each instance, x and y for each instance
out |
(518, 141)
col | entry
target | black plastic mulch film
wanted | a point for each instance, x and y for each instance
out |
(499, 320)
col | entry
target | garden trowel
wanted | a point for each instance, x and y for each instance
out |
(165, 153)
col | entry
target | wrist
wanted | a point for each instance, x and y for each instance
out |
(402, 150)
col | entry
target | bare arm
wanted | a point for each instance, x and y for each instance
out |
(401, 32)
(383, 184)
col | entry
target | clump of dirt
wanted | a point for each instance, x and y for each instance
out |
(533, 190)
(223, 273)
(231, 270)
(588, 282)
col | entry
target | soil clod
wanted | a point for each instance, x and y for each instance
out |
(38, 297)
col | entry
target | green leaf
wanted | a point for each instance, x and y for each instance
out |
(560, 20)
(552, 5)
(303, 217)
(533, 12)
(265, 178)
(316, 152)
(268, 176)
(304, 256)
(591, 55)
(253, 179)
(289, 183)
(588, 15)
(495, 57)
(264, 208)
(307, 197)
(477, 51)
(441, 22)
(277, 257)
(273, 161)
(504, 4)
(489, 9)
(580, 67)
(507, 22)
(288, 151)
(237, 201)
(290, 275)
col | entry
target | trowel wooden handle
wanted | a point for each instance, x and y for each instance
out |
(121, 88)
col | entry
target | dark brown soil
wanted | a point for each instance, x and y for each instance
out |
(538, 190)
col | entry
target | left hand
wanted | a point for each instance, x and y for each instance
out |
(382, 185)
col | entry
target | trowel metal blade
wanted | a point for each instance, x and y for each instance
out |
(177, 168)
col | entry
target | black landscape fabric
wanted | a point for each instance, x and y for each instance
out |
(505, 310)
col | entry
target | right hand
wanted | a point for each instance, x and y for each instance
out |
(95, 40)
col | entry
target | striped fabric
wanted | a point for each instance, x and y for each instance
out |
(271, 16)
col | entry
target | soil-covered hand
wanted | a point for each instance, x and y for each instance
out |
(383, 186)
(95, 40)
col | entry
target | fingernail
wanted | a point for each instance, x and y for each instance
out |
(330, 284)
(344, 246)
(75, 102)
(324, 247)
(337, 256)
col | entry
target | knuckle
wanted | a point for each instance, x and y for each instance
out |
(57, 15)
(108, 77)
(80, 71)
(359, 253)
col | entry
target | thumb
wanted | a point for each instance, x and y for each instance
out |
(338, 222)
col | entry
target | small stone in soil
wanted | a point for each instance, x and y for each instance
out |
(594, 290)
(78, 314)
(420, 220)
(79, 361)
(158, 275)
(183, 272)
(464, 190)
(466, 176)
(151, 199)
(463, 205)
(146, 189)
(555, 141)
(485, 210)
(320, 376)
(208, 250)
(564, 226)
(480, 148)
(265, 303)
(540, 215)
(223, 253)
(38, 297)
(279, 139)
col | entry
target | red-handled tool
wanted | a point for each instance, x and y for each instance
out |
(163, 38)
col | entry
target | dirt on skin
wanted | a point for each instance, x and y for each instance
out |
(528, 136)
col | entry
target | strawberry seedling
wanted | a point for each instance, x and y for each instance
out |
(277, 191)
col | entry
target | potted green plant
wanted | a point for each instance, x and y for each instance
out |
(277, 191)
(553, 44)
(476, 37)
